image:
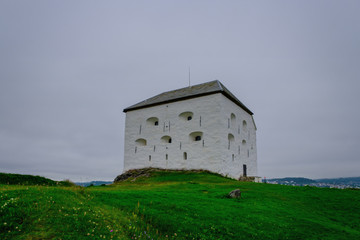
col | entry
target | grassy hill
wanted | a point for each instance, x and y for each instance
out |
(178, 205)
(19, 179)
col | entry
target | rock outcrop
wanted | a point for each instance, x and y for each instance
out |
(235, 193)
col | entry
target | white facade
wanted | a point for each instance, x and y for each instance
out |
(208, 132)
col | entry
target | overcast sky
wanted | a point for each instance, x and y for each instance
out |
(69, 68)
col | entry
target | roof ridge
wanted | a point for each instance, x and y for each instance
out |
(202, 89)
(219, 83)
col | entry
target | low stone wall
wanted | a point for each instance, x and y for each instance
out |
(250, 179)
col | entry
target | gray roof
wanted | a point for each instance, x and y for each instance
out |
(195, 91)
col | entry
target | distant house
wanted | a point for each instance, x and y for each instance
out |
(199, 127)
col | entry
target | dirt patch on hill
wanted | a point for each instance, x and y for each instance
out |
(146, 172)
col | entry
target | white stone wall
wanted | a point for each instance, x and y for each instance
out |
(244, 140)
(210, 116)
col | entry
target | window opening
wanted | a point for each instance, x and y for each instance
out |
(154, 148)
(180, 145)
(135, 149)
(233, 157)
(203, 143)
(231, 139)
(185, 156)
(233, 119)
(152, 121)
(196, 136)
(248, 153)
(166, 157)
(140, 142)
(244, 125)
(149, 158)
(186, 116)
(228, 122)
(166, 139)
(200, 121)
(244, 170)
(239, 150)
(140, 130)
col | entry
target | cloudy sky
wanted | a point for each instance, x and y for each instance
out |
(69, 68)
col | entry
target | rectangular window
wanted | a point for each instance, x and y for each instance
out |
(140, 130)
(185, 156)
(166, 157)
(149, 158)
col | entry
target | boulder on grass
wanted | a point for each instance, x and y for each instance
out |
(235, 193)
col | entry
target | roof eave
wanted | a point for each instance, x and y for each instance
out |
(169, 101)
(236, 101)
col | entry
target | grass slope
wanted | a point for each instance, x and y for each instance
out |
(19, 179)
(178, 205)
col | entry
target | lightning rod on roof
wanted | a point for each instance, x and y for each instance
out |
(189, 77)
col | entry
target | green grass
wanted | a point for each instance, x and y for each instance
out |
(19, 179)
(178, 205)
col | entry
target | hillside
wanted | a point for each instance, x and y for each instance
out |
(291, 180)
(350, 182)
(178, 205)
(93, 183)
(20, 179)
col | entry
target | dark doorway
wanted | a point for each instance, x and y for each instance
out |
(244, 170)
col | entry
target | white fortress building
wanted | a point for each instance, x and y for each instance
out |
(199, 127)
